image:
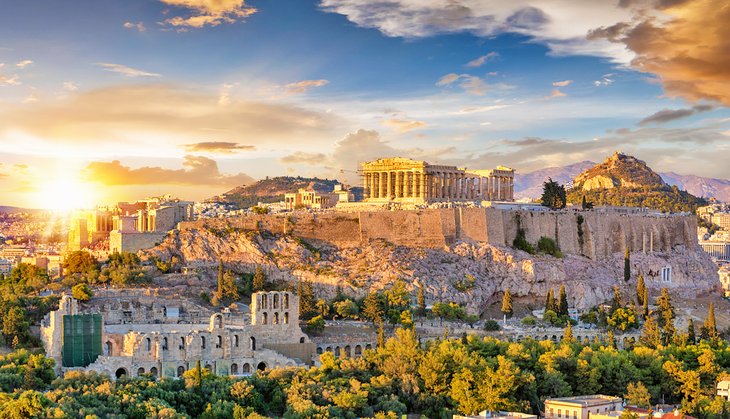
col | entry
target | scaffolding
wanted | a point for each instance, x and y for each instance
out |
(81, 339)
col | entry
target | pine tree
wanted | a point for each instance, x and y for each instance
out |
(307, 302)
(583, 203)
(691, 336)
(640, 290)
(507, 304)
(709, 325)
(259, 279)
(229, 288)
(562, 302)
(627, 265)
(650, 334)
(421, 300)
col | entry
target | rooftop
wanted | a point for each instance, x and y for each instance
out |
(585, 401)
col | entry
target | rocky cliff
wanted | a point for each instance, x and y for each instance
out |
(462, 269)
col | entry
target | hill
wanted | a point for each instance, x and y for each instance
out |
(273, 190)
(623, 180)
(700, 186)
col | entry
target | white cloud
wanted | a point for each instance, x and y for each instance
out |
(70, 86)
(478, 109)
(24, 63)
(139, 26)
(478, 62)
(471, 84)
(403, 125)
(562, 25)
(9, 80)
(126, 71)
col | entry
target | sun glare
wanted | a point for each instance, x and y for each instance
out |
(65, 193)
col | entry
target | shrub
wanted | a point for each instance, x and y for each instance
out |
(528, 321)
(81, 292)
(315, 325)
(548, 246)
(260, 210)
(521, 243)
(491, 325)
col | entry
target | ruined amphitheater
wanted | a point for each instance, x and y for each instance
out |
(141, 334)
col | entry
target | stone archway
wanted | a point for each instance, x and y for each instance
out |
(261, 366)
(121, 372)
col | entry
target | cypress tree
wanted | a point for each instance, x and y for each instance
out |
(640, 290)
(645, 303)
(381, 336)
(691, 336)
(562, 302)
(421, 300)
(220, 278)
(666, 317)
(507, 304)
(259, 279)
(616, 303)
(627, 265)
(650, 334)
(550, 301)
(710, 325)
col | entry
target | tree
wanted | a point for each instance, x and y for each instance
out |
(307, 302)
(709, 328)
(230, 288)
(80, 262)
(665, 320)
(259, 279)
(691, 336)
(220, 278)
(81, 292)
(374, 307)
(421, 300)
(645, 304)
(323, 308)
(638, 395)
(553, 195)
(616, 302)
(568, 333)
(381, 335)
(651, 336)
(550, 303)
(346, 308)
(507, 304)
(315, 325)
(562, 302)
(15, 324)
(627, 265)
(640, 290)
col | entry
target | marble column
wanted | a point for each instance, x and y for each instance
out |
(422, 178)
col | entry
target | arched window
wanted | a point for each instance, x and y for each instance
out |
(202, 342)
(182, 343)
(319, 351)
(253, 343)
(286, 318)
(148, 344)
(164, 344)
(301, 339)
(264, 301)
(234, 369)
(348, 351)
(235, 341)
(261, 366)
(265, 319)
(108, 348)
(140, 372)
(358, 350)
(276, 318)
(246, 368)
(286, 301)
(219, 343)
(209, 367)
(180, 371)
(276, 301)
(219, 321)
(153, 371)
(121, 372)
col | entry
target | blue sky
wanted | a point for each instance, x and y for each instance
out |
(136, 97)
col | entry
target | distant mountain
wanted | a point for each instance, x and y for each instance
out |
(15, 210)
(273, 190)
(529, 185)
(623, 180)
(700, 186)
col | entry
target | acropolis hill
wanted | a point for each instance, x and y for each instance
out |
(358, 251)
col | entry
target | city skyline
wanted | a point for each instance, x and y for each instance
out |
(103, 101)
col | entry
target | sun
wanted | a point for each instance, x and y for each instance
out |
(65, 193)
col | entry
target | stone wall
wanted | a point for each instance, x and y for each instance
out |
(133, 241)
(589, 233)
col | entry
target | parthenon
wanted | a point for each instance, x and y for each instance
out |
(404, 180)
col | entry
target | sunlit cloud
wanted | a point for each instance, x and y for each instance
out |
(24, 63)
(403, 125)
(219, 147)
(126, 71)
(197, 170)
(70, 86)
(471, 84)
(478, 62)
(478, 109)
(563, 83)
(304, 85)
(209, 12)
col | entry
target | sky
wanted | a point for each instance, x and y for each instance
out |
(109, 100)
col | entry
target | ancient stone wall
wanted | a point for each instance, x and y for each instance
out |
(593, 234)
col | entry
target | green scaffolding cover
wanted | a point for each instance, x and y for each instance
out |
(81, 339)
